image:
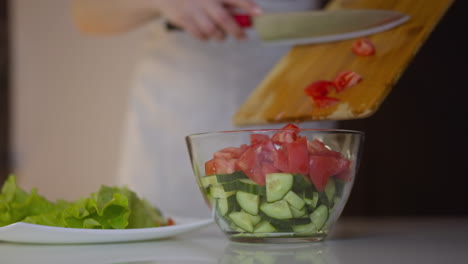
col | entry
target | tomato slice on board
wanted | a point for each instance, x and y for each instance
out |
(319, 88)
(346, 79)
(363, 47)
(324, 101)
(298, 156)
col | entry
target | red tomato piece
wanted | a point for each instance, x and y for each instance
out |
(268, 167)
(258, 138)
(298, 156)
(210, 169)
(318, 88)
(280, 160)
(247, 160)
(317, 148)
(290, 126)
(229, 153)
(224, 166)
(170, 221)
(321, 168)
(244, 21)
(345, 80)
(266, 151)
(324, 101)
(250, 163)
(363, 47)
(287, 135)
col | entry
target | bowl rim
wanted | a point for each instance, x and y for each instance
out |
(240, 131)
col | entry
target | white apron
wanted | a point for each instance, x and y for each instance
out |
(186, 86)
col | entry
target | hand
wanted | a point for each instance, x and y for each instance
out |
(206, 19)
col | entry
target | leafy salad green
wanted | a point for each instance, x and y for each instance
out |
(108, 208)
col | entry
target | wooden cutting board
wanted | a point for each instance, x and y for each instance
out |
(280, 97)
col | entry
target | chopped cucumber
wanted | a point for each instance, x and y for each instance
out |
(319, 216)
(277, 210)
(209, 180)
(242, 220)
(249, 186)
(255, 218)
(301, 183)
(312, 202)
(217, 191)
(315, 199)
(340, 186)
(264, 227)
(248, 202)
(298, 213)
(307, 228)
(278, 185)
(294, 200)
(245, 185)
(330, 190)
(226, 205)
(222, 178)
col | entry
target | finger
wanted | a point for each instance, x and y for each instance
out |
(204, 23)
(246, 5)
(224, 20)
(219, 35)
(189, 25)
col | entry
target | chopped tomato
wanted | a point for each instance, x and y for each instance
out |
(363, 47)
(321, 168)
(225, 166)
(258, 138)
(317, 148)
(345, 80)
(242, 20)
(268, 167)
(318, 88)
(170, 222)
(250, 163)
(324, 101)
(290, 126)
(229, 153)
(280, 160)
(298, 156)
(210, 168)
(287, 135)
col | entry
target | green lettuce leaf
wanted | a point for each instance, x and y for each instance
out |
(108, 208)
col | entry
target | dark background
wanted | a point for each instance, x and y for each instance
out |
(414, 157)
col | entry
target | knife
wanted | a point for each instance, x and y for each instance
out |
(321, 26)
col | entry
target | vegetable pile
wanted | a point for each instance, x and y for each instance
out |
(281, 183)
(108, 208)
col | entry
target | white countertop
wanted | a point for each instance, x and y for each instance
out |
(354, 240)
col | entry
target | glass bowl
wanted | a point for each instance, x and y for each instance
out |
(276, 185)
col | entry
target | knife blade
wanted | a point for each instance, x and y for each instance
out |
(311, 27)
(321, 26)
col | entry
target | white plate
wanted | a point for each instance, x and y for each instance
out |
(31, 233)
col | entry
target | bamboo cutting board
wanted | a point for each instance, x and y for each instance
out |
(280, 96)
